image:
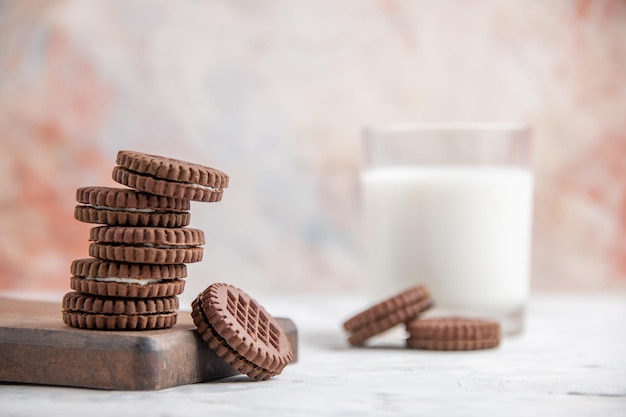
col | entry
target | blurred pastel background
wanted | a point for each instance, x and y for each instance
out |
(276, 94)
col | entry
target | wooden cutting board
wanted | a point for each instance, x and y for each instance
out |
(36, 347)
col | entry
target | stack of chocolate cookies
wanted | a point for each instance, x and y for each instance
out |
(138, 259)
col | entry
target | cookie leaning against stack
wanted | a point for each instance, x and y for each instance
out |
(138, 259)
(241, 331)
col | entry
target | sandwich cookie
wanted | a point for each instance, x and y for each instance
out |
(118, 279)
(453, 333)
(388, 313)
(169, 177)
(102, 313)
(146, 245)
(127, 207)
(239, 330)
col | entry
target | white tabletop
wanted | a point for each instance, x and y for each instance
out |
(571, 360)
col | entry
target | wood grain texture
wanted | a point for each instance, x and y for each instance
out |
(37, 348)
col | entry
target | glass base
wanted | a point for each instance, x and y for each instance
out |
(511, 322)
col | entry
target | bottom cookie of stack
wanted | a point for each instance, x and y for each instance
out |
(105, 313)
(123, 296)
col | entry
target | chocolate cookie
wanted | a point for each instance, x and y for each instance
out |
(388, 313)
(169, 177)
(103, 313)
(127, 207)
(148, 245)
(117, 279)
(453, 333)
(240, 331)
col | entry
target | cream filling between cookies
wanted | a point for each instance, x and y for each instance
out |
(127, 280)
(151, 245)
(133, 210)
(188, 184)
(202, 187)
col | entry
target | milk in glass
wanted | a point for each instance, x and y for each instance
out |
(462, 231)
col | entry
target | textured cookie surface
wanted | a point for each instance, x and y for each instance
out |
(126, 198)
(388, 313)
(96, 268)
(145, 255)
(115, 279)
(400, 315)
(453, 333)
(127, 207)
(183, 236)
(169, 177)
(119, 217)
(102, 313)
(146, 245)
(105, 288)
(241, 331)
(375, 312)
(223, 349)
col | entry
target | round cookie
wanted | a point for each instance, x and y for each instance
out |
(388, 313)
(102, 313)
(169, 177)
(118, 279)
(128, 207)
(453, 333)
(239, 330)
(146, 245)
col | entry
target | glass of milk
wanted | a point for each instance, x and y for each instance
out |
(450, 206)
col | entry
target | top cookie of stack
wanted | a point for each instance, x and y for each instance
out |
(169, 177)
(138, 258)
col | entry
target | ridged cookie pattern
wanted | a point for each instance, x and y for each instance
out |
(119, 322)
(453, 328)
(171, 169)
(145, 255)
(128, 198)
(405, 298)
(97, 268)
(452, 345)
(89, 304)
(385, 322)
(87, 214)
(246, 326)
(142, 235)
(222, 349)
(453, 333)
(165, 187)
(127, 290)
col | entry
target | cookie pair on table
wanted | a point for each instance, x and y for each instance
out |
(444, 333)
(138, 259)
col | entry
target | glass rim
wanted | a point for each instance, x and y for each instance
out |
(391, 128)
